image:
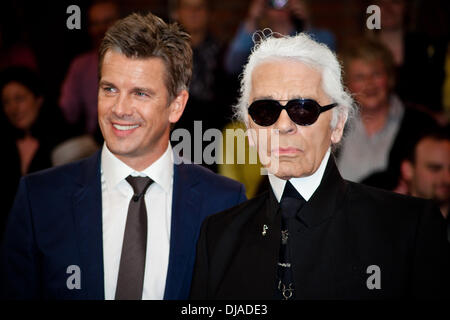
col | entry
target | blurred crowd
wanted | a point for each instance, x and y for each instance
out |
(399, 77)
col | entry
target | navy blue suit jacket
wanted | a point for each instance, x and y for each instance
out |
(56, 222)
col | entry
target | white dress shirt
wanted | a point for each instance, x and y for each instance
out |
(116, 196)
(306, 186)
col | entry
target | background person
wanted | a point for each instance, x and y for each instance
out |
(426, 170)
(32, 127)
(209, 93)
(386, 127)
(284, 17)
(79, 90)
(414, 53)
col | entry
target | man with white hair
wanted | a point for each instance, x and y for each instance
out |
(313, 235)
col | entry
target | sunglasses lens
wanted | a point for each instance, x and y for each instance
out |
(303, 112)
(264, 112)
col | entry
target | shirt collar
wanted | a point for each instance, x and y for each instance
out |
(114, 170)
(306, 186)
(396, 108)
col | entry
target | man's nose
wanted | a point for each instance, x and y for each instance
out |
(122, 106)
(284, 124)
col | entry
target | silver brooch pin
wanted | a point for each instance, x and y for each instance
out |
(265, 228)
(284, 236)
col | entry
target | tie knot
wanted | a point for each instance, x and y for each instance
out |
(291, 201)
(139, 185)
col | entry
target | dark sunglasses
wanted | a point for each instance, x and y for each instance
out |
(303, 112)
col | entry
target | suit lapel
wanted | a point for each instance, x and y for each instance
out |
(262, 250)
(316, 241)
(186, 209)
(245, 267)
(87, 212)
(326, 198)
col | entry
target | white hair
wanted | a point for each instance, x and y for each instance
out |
(303, 49)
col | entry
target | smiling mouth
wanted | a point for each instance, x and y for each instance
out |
(125, 127)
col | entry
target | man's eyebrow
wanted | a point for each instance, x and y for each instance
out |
(106, 83)
(298, 96)
(135, 89)
(142, 89)
(293, 97)
(263, 98)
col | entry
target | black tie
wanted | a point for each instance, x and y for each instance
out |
(291, 202)
(130, 281)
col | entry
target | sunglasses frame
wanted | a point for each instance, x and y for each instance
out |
(301, 102)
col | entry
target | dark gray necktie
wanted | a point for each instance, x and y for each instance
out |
(291, 202)
(130, 281)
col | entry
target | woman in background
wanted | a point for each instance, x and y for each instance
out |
(386, 127)
(31, 128)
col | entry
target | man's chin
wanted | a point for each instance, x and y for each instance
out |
(288, 173)
(120, 149)
(287, 167)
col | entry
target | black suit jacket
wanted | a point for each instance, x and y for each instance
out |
(339, 233)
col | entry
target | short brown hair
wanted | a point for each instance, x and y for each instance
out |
(370, 50)
(145, 36)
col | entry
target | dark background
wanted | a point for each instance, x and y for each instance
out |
(42, 25)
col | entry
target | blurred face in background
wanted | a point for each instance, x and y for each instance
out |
(369, 82)
(193, 15)
(101, 16)
(392, 13)
(429, 176)
(21, 105)
(279, 20)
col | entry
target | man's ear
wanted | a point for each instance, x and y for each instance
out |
(338, 131)
(177, 106)
(407, 170)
